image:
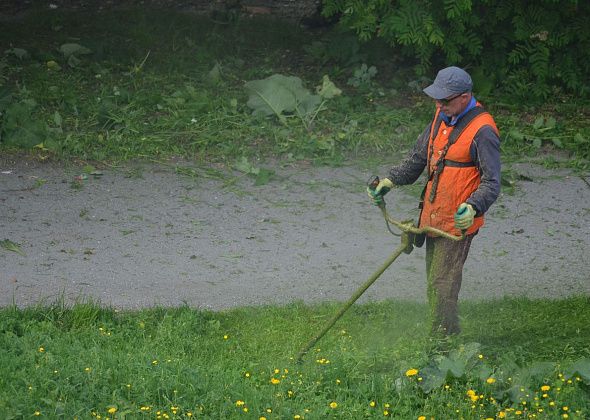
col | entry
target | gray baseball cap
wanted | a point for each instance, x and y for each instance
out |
(449, 81)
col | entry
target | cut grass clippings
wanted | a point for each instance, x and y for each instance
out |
(139, 83)
(89, 361)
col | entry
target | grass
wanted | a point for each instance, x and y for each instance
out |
(89, 361)
(149, 90)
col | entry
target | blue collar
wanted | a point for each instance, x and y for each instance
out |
(452, 122)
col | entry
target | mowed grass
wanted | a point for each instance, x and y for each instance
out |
(88, 361)
(157, 84)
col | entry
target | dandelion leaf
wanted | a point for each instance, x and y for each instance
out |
(518, 392)
(244, 165)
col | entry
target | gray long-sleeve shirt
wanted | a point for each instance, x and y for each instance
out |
(485, 153)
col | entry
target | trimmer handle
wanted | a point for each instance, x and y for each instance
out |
(373, 182)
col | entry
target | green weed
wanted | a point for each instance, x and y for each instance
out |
(157, 84)
(89, 361)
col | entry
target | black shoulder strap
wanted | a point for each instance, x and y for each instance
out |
(464, 122)
(440, 164)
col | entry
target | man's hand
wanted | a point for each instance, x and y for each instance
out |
(380, 190)
(464, 216)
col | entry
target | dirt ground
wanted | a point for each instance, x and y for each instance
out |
(145, 235)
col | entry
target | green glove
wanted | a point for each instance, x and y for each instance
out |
(380, 190)
(464, 216)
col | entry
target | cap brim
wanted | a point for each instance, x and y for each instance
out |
(436, 92)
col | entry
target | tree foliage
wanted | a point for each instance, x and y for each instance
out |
(525, 47)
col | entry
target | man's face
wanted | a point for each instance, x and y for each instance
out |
(454, 105)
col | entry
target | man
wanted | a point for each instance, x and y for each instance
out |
(461, 151)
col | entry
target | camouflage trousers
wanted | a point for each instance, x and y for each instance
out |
(444, 271)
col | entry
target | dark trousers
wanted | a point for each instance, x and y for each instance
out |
(444, 271)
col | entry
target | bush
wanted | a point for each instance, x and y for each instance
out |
(527, 48)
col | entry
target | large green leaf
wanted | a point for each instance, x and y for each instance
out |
(452, 368)
(432, 378)
(73, 49)
(279, 95)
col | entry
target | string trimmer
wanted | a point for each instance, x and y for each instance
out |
(408, 233)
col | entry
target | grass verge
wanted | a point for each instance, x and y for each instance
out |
(532, 361)
(142, 83)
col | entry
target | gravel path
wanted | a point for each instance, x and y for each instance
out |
(145, 235)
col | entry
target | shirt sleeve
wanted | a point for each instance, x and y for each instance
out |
(485, 152)
(409, 170)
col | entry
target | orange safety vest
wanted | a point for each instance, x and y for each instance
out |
(457, 176)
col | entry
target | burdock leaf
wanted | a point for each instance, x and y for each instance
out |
(12, 246)
(73, 49)
(432, 378)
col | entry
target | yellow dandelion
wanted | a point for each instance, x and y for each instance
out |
(240, 403)
(545, 388)
(41, 349)
(338, 381)
(502, 415)
(87, 369)
(491, 380)
(112, 410)
(565, 408)
(333, 404)
(275, 381)
(372, 404)
(277, 371)
(518, 412)
(296, 416)
(386, 405)
(269, 410)
(480, 356)
(225, 337)
(154, 362)
(189, 414)
(552, 403)
(245, 409)
(261, 418)
(421, 417)
(385, 413)
(565, 415)
(37, 413)
(411, 372)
